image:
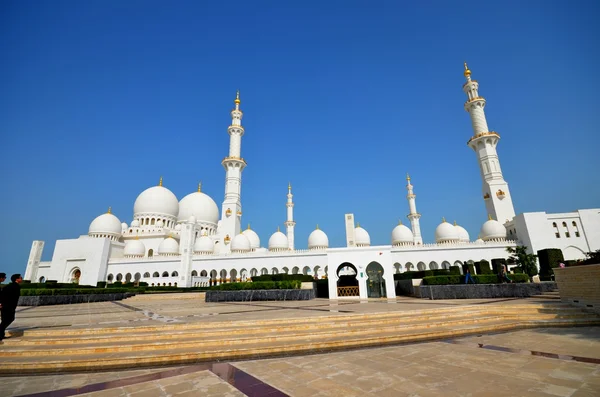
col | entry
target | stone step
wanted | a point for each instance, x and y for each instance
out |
(96, 329)
(307, 344)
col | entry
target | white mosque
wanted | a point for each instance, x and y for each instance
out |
(188, 242)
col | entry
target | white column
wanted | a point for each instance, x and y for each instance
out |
(290, 218)
(495, 190)
(413, 214)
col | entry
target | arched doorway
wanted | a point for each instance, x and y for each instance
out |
(375, 282)
(75, 276)
(347, 283)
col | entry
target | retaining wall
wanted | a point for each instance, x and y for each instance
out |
(482, 291)
(260, 295)
(579, 285)
(43, 300)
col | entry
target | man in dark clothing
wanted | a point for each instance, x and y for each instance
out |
(9, 298)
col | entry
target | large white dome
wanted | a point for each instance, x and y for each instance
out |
(278, 242)
(169, 246)
(493, 230)
(463, 235)
(240, 243)
(252, 237)
(446, 233)
(361, 237)
(318, 239)
(402, 235)
(204, 244)
(156, 200)
(105, 224)
(199, 205)
(134, 248)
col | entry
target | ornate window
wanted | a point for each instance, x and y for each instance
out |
(556, 231)
(567, 234)
(575, 228)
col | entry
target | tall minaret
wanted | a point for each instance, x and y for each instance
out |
(290, 218)
(413, 215)
(231, 212)
(496, 195)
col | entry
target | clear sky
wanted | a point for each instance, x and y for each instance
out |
(98, 99)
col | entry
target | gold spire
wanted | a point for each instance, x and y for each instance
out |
(490, 217)
(467, 71)
(318, 227)
(357, 224)
(407, 177)
(199, 186)
(237, 98)
(289, 185)
(454, 223)
(248, 226)
(137, 234)
(109, 210)
(399, 222)
(443, 220)
(160, 181)
(278, 228)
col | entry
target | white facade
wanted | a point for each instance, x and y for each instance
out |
(187, 242)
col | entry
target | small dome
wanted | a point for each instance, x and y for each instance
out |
(361, 237)
(252, 237)
(134, 248)
(240, 243)
(106, 224)
(479, 241)
(463, 235)
(160, 223)
(278, 242)
(124, 226)
(402, 235)
(199, 205)
(446, 233)
(318, 239)
(156, 200)
(169, 246)
(493, 230)
(204, 244)
(135, 223)
(178, 227)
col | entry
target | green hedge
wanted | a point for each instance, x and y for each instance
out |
(288, 284)
(478, 278)
(455, 270)
(283, 277)
(549, 258)
(71, 291)
(52, 285)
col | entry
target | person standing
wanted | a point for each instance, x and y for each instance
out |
(9, 299)
(468, 277)
(2, 277)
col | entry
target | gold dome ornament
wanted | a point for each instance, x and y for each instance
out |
(467, 71)
(237, 98)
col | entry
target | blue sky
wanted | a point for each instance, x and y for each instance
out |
(342, 98)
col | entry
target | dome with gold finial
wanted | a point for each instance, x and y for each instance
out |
(252, 237)
(168, 247)
(156, 201)
(402, 235)
(240, 244)
(200, 205)
(446, 233)
(318, 240)
(204, 245)
(467, 72)
(361, 237)
(278, 241)
(463, 235)
(134, 249)
(493, 230)
(237, 98)
(106, 226)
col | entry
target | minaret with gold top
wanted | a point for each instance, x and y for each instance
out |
(231, 213)
(496, 195)
(413, 214)
(290, 218)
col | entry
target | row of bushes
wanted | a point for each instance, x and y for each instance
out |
(284, 277)
(426, 273)
(52, 285)
(71, 291)
(478, 278)
(287, 284)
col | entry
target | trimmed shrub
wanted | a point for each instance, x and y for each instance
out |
(443, 280)
(549, 258)
(54, 285)
(455, 270)
(283, 277)
(413, 274)
(497, 264)
(70, 291)
(484, 267)
(470, 266)
(101, 284)
(478, 278)
(116, 284)
(258, 285)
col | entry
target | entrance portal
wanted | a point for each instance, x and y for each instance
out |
(375, 283)
(347, 284)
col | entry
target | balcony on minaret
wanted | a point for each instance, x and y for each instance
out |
(500, 194)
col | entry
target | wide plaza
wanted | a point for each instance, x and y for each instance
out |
(535, 361)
